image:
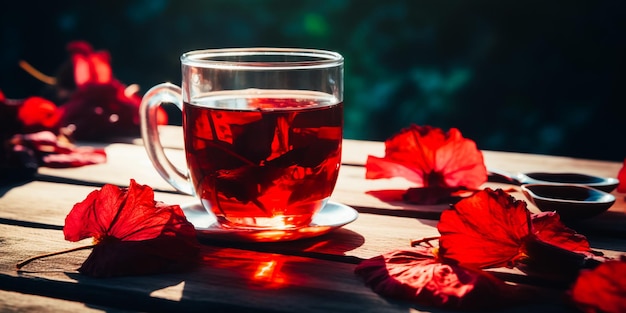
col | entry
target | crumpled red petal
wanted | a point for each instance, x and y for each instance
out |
(416, 275)
(37, 114)
(89, 66)
(484, 230)
(548, 227)
(428, 156)
(133, 233)
(100, 107)
(602, 289)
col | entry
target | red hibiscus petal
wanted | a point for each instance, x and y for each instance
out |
(376, 168)
(428, 156)
(484, 230)
(89, 66)
(602, 289)
(37, 111)
(621, 176)
(460, 162)
(548, 228)
(129, 214)
(555, 251)
(134, 234)
(415, 275)
(99, 111)
(93, 216)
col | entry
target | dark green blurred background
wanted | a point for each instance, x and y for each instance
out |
(530, 76)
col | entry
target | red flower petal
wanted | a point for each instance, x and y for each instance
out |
(415, 275)
(428, 156)
(123, 213)
(484, 230)
(89, 66)
(621, 176)
(38, 112)
(100, 107)
(134, 234)
(548, 228)
(602, 289)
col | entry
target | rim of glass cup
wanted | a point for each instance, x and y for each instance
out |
(311, 58)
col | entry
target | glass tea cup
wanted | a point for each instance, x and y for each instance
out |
(262, 129)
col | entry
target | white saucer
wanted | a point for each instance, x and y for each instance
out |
(332, 216)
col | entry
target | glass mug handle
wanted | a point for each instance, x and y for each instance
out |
(152, 100)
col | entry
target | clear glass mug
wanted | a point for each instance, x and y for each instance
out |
(263, 131)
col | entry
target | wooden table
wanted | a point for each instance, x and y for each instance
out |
(311, 275)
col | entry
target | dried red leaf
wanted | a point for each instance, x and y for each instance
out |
(602, 289)
(484, 230)
(134, 234)
(621, 176)
(417, 276)
(428, 157)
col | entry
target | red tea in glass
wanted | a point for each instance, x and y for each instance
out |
(263, 159)
(262, 130)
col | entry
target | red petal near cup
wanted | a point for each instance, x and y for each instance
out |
(128, 214)
(602, 289)
(621, 176)
(134, 234)
(428, 156)
(417, 276)
(484, 230)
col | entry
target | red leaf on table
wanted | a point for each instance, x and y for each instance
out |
(417, 276)
(484, 230)
(621, 176)
(430, 157)
(602, 289)
(134, 234)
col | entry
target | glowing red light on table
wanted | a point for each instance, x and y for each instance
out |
(268, 273)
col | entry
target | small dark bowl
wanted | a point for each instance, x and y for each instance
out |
(572, 202)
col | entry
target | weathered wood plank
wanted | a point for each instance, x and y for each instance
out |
(128, 161)
(45, 205)
(228, 279)
(11, 301)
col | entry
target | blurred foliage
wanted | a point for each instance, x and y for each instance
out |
(529, 76)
